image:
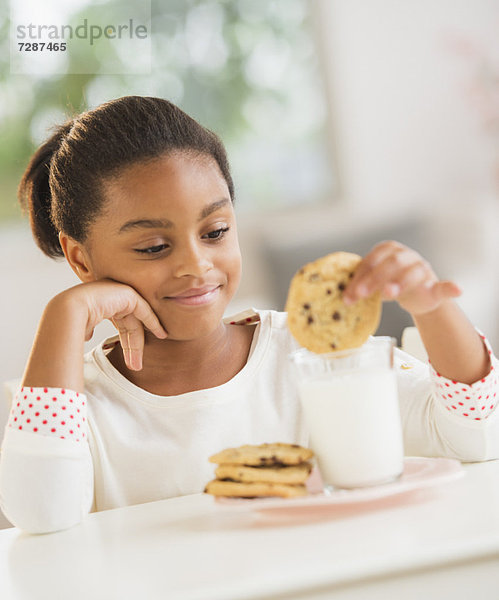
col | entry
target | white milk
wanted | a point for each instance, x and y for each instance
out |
(354, 423)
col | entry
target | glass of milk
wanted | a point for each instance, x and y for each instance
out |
(351, 410)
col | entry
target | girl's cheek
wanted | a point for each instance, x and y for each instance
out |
(235, 263)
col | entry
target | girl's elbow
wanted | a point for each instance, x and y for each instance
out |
(35, 517)
(40, 524)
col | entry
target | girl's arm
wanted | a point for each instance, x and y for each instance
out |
(46, 471)
(454, 347)
(453, 412)
(56, 358)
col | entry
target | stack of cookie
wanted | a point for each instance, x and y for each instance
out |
(258, 471)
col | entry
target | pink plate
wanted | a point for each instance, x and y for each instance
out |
(418, 473)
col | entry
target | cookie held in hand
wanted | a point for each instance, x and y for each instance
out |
(318, 318)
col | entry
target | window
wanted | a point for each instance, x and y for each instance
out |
(247, 69)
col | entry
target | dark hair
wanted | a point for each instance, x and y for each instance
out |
(62, 186)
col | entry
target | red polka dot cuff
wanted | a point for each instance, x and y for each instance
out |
(54, 412)
(476, 401)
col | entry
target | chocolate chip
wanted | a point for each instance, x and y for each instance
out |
(341, 286)
(333, 346)
(328, 292)
(310, 319)
(350, 275)
(306, 306)
(336, 316)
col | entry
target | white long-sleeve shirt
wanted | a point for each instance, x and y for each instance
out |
(65, 454)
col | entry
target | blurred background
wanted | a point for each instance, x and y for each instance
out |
(346, 122)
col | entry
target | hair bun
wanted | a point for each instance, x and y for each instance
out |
(34, 192)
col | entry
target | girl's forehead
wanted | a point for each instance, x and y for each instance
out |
(173, 187)
(173, 174)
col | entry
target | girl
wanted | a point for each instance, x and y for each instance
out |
(138, 198)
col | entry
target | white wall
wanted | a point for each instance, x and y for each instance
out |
(406, 129)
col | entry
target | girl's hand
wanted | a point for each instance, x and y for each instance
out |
(129, 312)
(400, 274)
(56, 358)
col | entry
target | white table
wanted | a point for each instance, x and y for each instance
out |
(439, 543)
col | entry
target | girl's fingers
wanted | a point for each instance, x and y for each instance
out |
(420, 281)
(401, 274)
(381, 270)
(131, 332)
(391, 291)
(135, 348)
(445, 290)
(130, 313)
(427, 295)
(416, 274)
(371, 260)
(145, 314)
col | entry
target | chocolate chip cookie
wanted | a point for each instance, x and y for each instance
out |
(276, 454)
(253, 471)
(254, 490)
(317, 316)
(294, 475)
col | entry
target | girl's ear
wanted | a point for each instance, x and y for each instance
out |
(77, 258)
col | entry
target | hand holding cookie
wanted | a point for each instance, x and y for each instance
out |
(399, 273)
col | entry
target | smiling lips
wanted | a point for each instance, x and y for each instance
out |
(197, 296)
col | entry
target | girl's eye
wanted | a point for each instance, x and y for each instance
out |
(152, 249)
(218, 233)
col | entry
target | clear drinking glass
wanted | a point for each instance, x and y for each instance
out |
(350, 404)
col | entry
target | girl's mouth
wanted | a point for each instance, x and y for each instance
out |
(196, 297)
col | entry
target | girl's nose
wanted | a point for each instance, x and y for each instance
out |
(192, 260)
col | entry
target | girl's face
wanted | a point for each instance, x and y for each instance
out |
(168, 230)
